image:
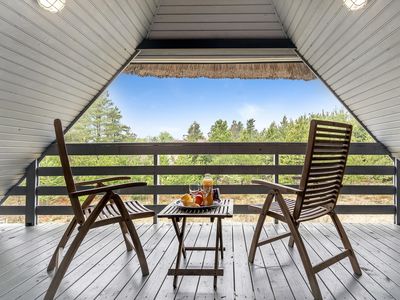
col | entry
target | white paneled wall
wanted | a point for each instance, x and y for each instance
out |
(357, 53)
(52, 65)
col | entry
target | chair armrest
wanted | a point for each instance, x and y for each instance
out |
(275, 186)
(101, 180)
(107, 188)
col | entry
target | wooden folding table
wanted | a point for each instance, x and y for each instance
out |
(176, 214)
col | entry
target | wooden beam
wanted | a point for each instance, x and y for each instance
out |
(216, 44)
(205, 148)
(396, 198)
(225, 189)
(32, 181)
(238, 209)
(213, 169)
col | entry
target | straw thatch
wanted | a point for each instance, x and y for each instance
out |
(236, 70)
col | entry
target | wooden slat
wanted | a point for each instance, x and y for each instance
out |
(371, 281)
(295, 280)
(187, 285)
(80, 281)
(216, 169)
(115, 276)
(204, 148)
(103, 269)
(164, 283)
(339, 276)
(21, 285)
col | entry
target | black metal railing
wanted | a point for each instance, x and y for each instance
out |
(33, 189)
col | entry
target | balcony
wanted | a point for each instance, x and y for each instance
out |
(273, 169)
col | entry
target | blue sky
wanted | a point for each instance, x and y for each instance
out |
(151, 105)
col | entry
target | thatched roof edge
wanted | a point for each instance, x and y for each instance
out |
(291, 70)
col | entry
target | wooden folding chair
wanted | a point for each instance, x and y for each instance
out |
(325, 162)
(109, 210)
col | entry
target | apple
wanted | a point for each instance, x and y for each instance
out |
(198, 199)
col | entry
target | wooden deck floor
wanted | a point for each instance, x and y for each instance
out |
(102, 269)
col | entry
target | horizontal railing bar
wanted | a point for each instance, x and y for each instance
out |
(204, 148)
(238, 209)
(225, 189)
(6, 210)
(200, 169)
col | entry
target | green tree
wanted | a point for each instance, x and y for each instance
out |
(102, 122)
(164, 137)
(250, 134)
(236, 129)
(219, 132)
(194, 133)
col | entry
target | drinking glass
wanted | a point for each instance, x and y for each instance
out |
(194, 189)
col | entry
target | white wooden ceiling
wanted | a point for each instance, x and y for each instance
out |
(177, 19)
(357, 54)
(216, 19)
(52, 65)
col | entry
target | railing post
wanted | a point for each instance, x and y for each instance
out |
(396, 183)
(31, 201)
(276, 176)
(156, 182)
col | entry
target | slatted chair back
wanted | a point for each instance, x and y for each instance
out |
(325, 162)
(68, 177)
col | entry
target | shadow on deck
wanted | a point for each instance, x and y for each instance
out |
(103, 269)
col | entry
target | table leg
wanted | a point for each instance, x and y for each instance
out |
(181, 237)
(175, 222)
(217, 246)
(221, 246)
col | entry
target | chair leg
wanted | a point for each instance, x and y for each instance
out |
(124, 229)
(64, 239)
(312, 278)
(346, 243)
(291, 239)
(55, 283)
(83, 230)
(260, 224)
(132, 231)
(138, 248)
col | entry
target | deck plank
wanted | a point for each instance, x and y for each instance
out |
(350, 287)
(166, 290)
(29, 237)
(102, 263)
(369, 284)
(372, 280)
(259, 277)
(36, 275)
(225, 288)
(102, 269)
(330, 283)
(296, 281)
(124, 264)
(280, 285)
(243, 284)
(187, 285)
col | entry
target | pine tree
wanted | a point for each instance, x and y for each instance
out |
(102, 122)
(194, 133)
(250, 134)
(236, 129)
